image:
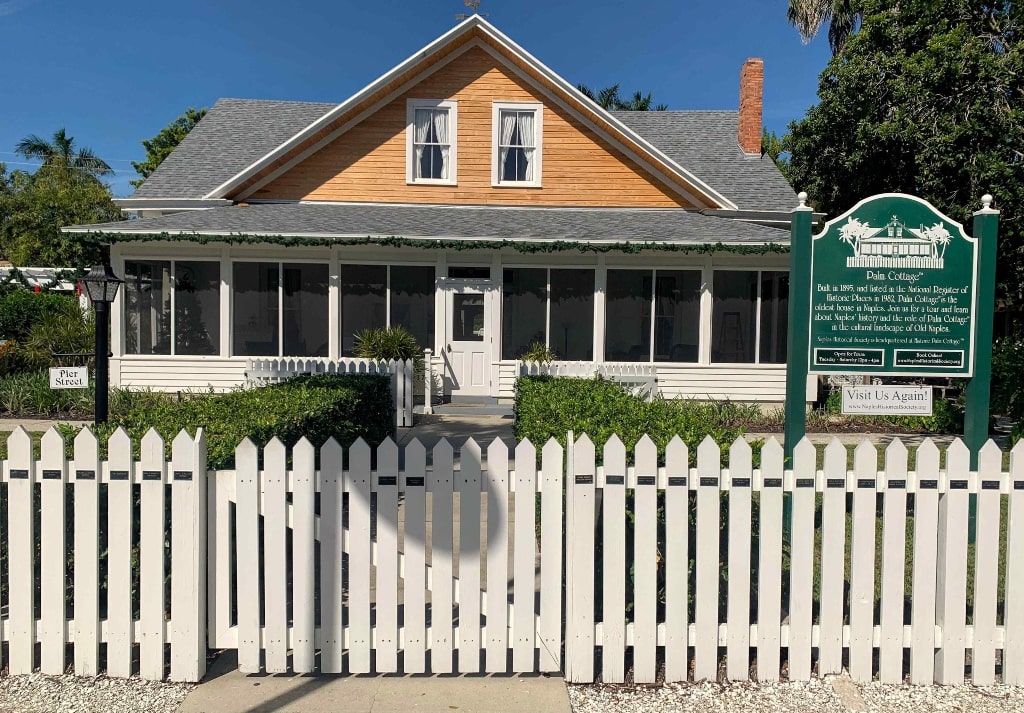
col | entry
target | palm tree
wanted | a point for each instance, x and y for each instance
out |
(808, 16)
(609, 98)
(61, 153)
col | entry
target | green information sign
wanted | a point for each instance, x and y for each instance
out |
(893, 292)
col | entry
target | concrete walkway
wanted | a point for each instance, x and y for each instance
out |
(37, 424)
(225, 690)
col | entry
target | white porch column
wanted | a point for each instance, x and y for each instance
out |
(117, 310)
(494, 328)
(440, 274)
(706, 305)
(226, 281)
(334, 307)
(600, 305)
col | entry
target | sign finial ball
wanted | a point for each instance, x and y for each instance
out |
(802, 197)
(986, 201)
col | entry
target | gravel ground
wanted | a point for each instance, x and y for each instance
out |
(834, 695)
(38, 693)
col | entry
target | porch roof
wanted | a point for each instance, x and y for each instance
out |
(333, 221)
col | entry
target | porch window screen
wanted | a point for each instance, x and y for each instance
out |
(675, 295)
(147, 306)
(524, 299)
(432, 144)
(516, 145)
(364, 302)
(749, 317)
(255, 309)
(196, 307)
(572, 314)
(304, 321)
(172, 307)
(412, 301)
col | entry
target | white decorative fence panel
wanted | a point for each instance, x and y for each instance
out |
(135, 530)
(273, 371)
(403, 560)
(641, 378)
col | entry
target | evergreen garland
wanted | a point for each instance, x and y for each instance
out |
(456, 245)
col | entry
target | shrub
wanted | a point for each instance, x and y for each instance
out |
(547, 407)
(1008, 377)
(947, 416)
(342, 406)
(68, 332)
(20, 310)
(387, 344)
(539, 352)
(28, 394)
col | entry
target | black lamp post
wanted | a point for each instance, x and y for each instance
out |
(101, 286)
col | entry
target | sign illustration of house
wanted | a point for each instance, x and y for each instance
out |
(894, 244)
(477, 198)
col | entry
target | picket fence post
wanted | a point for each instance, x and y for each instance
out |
(188, 553)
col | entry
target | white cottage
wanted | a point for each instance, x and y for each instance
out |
(475, 197)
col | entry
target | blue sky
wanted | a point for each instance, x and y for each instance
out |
(114, 73)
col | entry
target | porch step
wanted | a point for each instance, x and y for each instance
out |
(483, 407)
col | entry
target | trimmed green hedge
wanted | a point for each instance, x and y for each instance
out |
(342, 406)
(20, 310)
(547, 407)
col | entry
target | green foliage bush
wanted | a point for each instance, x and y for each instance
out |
(539, 352)
(21, 310)
(547, 407)
(388, 344)
(342, 406)
(1008, 381)
(947, 416)
(28, 394)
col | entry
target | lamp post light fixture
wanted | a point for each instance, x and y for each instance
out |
(100, 286)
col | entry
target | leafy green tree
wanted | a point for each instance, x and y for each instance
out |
(35, 206)
(609, 98)
(808, 17)
(925, 99)
(62, 155)
(160, 146)
(774, 146)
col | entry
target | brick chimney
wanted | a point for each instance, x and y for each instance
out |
(751, 103)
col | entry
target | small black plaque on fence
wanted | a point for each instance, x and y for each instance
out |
(897, 484)
(19, 474)
(615, 479)
(1018, 485)
(773, 482)
(119, 475)
(53, 475)
(866, 483)
(677, 481)
(835, 483)
(990, 485)
(646, 480)
(183, 475)
(929, 485)
(805, 482)
(584, 480)
(151, 475)
(958, 485)
(709, 481)
(387, 480)
(741, 482)
(415, 482)
(85, 475)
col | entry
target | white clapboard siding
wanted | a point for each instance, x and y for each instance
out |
(405, 545)
(769, 606)
(179, 373)
(708, 567)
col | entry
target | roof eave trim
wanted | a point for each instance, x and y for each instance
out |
(169, 203)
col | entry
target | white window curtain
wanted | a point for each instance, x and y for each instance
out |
(516, 145)
(432, 144)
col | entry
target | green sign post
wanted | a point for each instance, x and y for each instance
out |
(892, 288)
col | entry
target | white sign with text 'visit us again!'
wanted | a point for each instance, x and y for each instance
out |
(892, 400)
(69, 377)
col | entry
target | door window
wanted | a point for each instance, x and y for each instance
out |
(467, 318)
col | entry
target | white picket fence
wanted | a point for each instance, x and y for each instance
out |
(260, 372)
(346, 559)
(642, 379)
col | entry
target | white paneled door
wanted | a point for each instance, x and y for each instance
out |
(467, 338)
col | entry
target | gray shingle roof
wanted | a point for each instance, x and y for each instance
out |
(234, 134)
(429, 221)
(705, 143)
(237, 132)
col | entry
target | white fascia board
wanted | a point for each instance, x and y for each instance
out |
(246, 173)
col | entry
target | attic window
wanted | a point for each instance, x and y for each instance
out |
(517, 132)
(431, 141)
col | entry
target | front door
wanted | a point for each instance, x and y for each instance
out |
(468, 342)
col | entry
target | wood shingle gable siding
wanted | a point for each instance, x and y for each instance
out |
(368, 162)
